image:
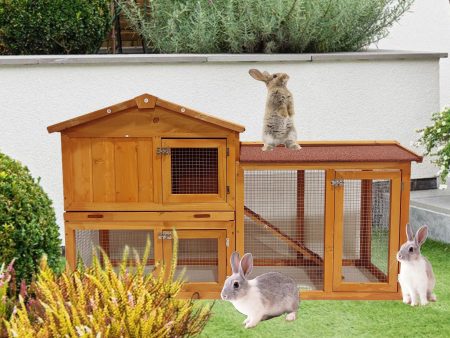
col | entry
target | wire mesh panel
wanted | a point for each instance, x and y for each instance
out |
(194, 170)
(113, 242)
(366, 230)
(284, 223)
(198, 258)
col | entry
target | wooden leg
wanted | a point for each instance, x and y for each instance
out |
(70, 247)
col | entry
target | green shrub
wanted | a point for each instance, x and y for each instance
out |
(436, 140)
(100, 302)
(262, 26)
(28, 228)
(53, 26)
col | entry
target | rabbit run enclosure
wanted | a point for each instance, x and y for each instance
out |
(331, 215)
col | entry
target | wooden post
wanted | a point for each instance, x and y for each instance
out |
(70, 247)
(103, 238)
(365, 233)
(300, 221)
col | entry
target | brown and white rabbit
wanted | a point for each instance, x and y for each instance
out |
(416, 274)
(268, 295)
(279, 115)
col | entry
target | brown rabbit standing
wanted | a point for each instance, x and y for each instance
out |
(278, 119)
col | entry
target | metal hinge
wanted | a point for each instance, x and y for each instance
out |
(165, 235)
(337, 183)
(228, 189)
(227, 242)
(163, 151)
(228, 151)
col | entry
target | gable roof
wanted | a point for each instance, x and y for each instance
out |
(330, 151)
(143, 101)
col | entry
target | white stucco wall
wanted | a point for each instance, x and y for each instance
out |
(369, 99)
(425, 27)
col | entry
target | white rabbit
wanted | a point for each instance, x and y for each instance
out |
(279, 116)
(416, 274)
(268, 295)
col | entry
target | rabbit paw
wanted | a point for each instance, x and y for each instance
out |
(291, 316)
(295, 146)
(424, 302)
(250, 324)
(407, 299)
(267, 147)
(246, 321)
(432, 298)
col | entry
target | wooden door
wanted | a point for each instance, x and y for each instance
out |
(194, 170)
(366, 235)
(201, 258)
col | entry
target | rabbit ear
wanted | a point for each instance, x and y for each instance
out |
(246, 266)
(257, 75)
(234, 259)
(421, 235)
(409, 232)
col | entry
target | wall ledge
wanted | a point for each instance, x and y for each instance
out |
(374, 54)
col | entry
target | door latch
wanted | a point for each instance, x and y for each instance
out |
(337, 183)
(163, 151)
(165, 235)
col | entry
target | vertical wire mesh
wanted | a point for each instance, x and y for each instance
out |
(284, 223)
(113, 242)
(366, 230)
(198, 257)
(195, 170)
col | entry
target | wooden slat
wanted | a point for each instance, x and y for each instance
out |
(103, 170)
(91, 116)
(288, 240)
(328, 232)
(394, 228)
(70, 246)
(306, 295)
(300, 219)
(322, 165)
(240, 228)
(367, 175)
(126, 170)
(148, 206)
(138, 101)
(365, 233)
(81, 170)
(338, 236)
(67, 170)
(145, 170)
(404, 208)
(106, 217)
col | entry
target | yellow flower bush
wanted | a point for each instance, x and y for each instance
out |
(99, 302)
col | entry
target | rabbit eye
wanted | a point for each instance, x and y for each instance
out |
(411, 249)
(275, 76)
(236, 285)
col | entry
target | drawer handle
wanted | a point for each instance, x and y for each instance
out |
(95, 216)
(202, 216)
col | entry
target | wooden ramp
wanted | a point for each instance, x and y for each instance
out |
(281, 235)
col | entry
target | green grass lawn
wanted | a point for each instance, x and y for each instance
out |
(351, 318)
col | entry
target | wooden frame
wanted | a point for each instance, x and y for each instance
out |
(116, 177)
(218, 235)
(397, 171)
(220, 145)
(389, 285)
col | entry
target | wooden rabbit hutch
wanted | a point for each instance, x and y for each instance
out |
(331, 215)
